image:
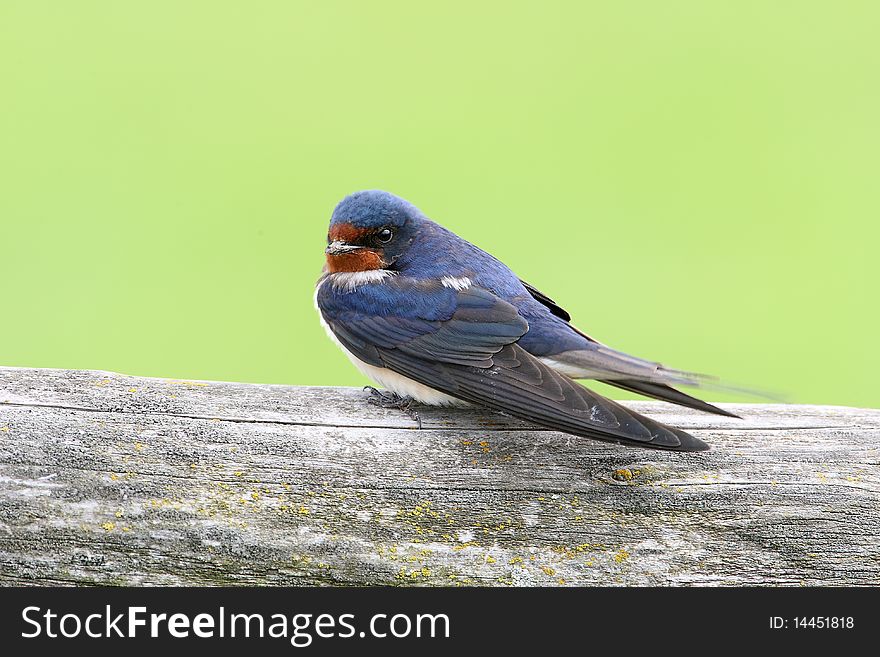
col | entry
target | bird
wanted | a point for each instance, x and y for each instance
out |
(438, 321)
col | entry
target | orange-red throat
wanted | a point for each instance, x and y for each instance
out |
(359, 260)
(346, 252)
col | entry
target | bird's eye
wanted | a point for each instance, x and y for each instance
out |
(384, 236)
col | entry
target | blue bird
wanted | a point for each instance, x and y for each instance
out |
(432, 318)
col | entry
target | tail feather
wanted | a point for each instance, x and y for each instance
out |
(667, 393)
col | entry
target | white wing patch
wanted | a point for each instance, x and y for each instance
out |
(457, 283)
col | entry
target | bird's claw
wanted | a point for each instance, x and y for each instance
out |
(393, 400)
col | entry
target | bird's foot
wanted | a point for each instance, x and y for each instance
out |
(393, 400)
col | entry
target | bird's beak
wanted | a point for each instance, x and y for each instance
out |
(338, 247)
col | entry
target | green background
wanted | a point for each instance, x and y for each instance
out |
(695, 181)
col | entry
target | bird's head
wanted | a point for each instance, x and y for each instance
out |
(370, 230)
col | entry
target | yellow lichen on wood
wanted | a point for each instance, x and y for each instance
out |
(622, 474)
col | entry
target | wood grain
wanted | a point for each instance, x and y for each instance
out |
(111, 479)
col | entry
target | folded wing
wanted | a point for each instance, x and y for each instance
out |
(472, 354)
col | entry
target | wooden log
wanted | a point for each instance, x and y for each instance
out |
(111, 479)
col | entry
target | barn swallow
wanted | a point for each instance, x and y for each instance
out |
(431, 317)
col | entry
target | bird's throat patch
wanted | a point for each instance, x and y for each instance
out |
(360, 260)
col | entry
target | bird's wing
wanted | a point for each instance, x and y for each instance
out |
(469, 351)
(627, 372)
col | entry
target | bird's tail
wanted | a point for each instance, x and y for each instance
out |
(648, 378)
(669, 394)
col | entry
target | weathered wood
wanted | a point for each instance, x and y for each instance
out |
(110, 479)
